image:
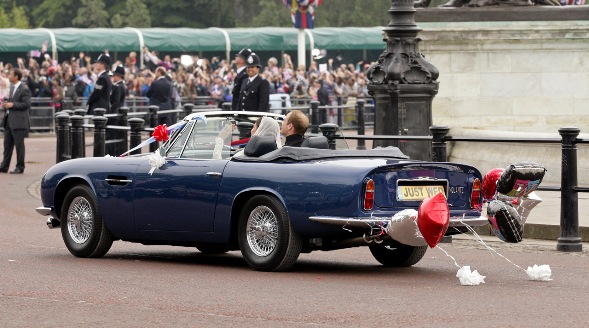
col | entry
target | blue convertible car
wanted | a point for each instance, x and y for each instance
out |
(271, 204)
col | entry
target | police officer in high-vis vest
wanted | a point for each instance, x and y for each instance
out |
(255, 92)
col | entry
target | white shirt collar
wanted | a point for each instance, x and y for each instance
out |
(16, 87)
(253, 78)
(100, 73)
(240, 69)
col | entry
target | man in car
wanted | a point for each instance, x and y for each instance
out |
(293, 128)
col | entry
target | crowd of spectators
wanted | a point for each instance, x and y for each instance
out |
(201, 81)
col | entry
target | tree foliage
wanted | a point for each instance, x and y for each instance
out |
(135, 14)
(185, 13)
(91, 13)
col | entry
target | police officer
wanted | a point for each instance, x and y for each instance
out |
(117, 97)
(100, 97)
(255, 91)
(117, 100)
(240, 62)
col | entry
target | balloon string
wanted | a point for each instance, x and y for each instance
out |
(448, 255)
(480, 241)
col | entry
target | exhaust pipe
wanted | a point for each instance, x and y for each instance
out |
(52, 223)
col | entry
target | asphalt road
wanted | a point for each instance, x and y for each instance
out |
(42, 285)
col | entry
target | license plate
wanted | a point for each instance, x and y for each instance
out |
(408, 193)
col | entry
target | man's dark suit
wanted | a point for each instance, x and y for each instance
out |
(16, 126)
(159, 94)
(239, 78)
(255, 95)
(117, 100)
(100, 97)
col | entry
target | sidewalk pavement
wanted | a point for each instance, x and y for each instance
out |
(543, 222)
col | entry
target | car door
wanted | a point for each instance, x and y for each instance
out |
(181, 195)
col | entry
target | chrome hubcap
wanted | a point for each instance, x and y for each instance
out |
(79, 220)
(262, 231)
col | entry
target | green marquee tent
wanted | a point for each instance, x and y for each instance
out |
(188, 39)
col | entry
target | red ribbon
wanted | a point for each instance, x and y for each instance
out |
(160, 133)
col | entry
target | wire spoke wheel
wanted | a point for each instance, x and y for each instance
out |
(266, 238)
(79, 220)
(83, 231)
(262, 231)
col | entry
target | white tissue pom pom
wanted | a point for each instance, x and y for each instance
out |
(107, 155)
(539, 273)
(468, 278)
(156, 160)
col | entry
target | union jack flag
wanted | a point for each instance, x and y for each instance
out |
(302, 12)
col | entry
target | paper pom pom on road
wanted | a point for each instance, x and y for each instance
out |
(468, 278)
(539, 273)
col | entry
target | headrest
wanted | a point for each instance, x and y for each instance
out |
(319, 142)
(260, 145)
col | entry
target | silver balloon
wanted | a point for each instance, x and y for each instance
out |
(403, 228)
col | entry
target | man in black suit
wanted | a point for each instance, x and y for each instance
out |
(255, 91)
(159, 93)
(240, 63)
(117, 100)
(16, 122)
(100, 97)
(117, 96)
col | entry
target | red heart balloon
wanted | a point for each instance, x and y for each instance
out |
(433, 218)
(490, 182)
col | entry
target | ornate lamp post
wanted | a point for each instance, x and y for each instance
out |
(403, 84)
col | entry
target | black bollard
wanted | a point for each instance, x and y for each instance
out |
(188, 109)
(136, 125)
(361, 126)
(153, 122)
(226, 106)
(68, 111)
(99, 111)
(78, 136)
(340, 116)
(439, 143)
(314, 117)
(569, 240)
(123, 116)
(80, 111)
(322, 115)
(63, 137)
(329, 130)
(153, 117)
(99, 135)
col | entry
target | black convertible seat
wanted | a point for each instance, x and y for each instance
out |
(260, 145)
(319, 142)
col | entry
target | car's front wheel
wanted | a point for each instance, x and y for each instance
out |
(82, 228)
(266, 238)
(397, 256)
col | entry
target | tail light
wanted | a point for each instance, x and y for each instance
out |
(475, 196)
(368, 200)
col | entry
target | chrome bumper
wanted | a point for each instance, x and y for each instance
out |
(51, 221)
(376, 221)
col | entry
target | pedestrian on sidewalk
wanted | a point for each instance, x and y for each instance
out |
(16, 122)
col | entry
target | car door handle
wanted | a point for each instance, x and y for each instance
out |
(214, 174)
(117, 182)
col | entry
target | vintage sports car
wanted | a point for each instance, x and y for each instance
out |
(271, 204)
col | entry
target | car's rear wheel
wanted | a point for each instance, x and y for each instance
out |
(397, 256)
(82, 228)
(266, 238)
